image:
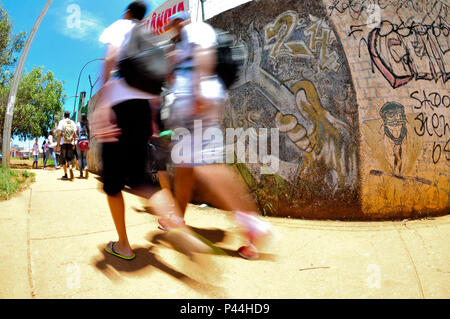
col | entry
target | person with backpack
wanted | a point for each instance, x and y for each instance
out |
(66, 142)
(83, 144)
(122, 124)
(200, 97)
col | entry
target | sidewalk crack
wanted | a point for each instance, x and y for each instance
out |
(30, 272)
(412, 262)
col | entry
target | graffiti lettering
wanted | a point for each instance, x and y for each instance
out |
(434, 125)
(415, 51)
(438, 149)
(356, 7)
(432, 100)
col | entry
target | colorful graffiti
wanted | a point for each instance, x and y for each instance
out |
(287, 83)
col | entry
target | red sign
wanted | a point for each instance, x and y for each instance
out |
(157, 19)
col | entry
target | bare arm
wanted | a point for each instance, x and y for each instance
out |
(110, 60)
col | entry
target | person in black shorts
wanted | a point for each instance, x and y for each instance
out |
(66, 143)
(122, 124)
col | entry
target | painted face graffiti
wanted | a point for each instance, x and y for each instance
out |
(394, 122)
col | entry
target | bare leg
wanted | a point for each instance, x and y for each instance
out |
(117, 207)
(165, 205)
(164, 180)
(184, 187)
(229, 192)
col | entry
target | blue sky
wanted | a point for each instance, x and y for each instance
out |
(61, 44)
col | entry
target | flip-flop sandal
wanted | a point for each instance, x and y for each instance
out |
(110, 250)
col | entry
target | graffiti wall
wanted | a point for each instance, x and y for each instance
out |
(399, 57)
(296, 78)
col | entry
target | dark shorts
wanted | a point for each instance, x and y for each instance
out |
(124, 162)
(66, 153)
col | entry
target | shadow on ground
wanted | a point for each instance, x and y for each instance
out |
(147, 261)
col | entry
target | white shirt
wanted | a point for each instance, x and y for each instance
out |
(35, 149)
(51, 142)
(117, 88)
(61, 126)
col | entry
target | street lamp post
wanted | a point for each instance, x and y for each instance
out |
(78, 83)
(15, 85)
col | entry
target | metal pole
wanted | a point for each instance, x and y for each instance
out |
(15, 84)
(78, 83)
(203, 9)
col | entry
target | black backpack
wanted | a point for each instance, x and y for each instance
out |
(143, 62)
(230, 58)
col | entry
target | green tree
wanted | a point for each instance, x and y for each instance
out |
(38, 107)
(10, 45)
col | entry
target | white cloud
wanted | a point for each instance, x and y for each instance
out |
(80, 24)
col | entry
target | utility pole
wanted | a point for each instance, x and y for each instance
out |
(15, 84)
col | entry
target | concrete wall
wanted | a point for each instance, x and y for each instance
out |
(399, 56)
(360, 93)
(297, 79)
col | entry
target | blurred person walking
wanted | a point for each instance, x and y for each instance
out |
(200, 95)
(122, 123)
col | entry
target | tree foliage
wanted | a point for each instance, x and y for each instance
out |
(38, 104)
(10, 45)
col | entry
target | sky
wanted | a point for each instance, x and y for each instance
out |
(63, 43)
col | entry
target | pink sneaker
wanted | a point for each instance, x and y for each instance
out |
(248, 252)
(257, 232)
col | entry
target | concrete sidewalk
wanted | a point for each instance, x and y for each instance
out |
(53, 236)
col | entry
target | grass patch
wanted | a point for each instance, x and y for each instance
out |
(13, 181)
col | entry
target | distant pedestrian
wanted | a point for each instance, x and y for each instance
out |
(122, 124)
(83, 144)
(35, 154)
(44, 152)
(66, 143)
(51, 149)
